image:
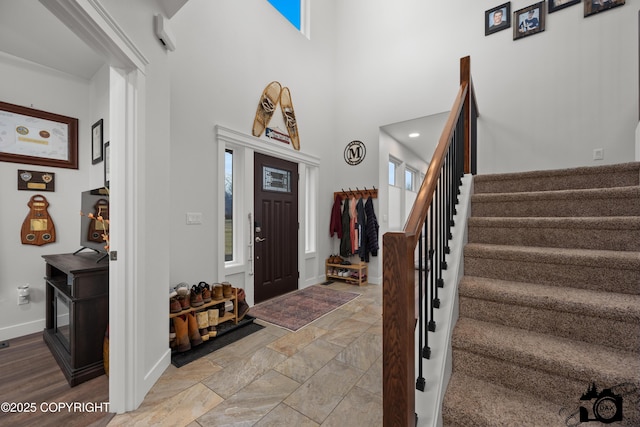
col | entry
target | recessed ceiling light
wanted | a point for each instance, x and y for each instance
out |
(414, 135)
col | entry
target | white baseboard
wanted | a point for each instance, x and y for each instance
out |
(22, 329)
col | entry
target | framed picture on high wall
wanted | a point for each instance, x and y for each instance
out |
(37, 137)
(592, 7)
(555, 5)
(497, 19)
(528, 21)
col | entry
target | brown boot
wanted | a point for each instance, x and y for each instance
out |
(217, 291)
(203, 325)
(194, 333)
(196, 296)
(243, 307)
(182, 333)
(206, 292)
(172, 335)
(213, 322)
(227, 290)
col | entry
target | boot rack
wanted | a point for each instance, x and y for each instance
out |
(227, 315)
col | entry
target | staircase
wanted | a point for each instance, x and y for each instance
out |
(549, 300)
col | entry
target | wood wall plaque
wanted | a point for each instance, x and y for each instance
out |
(36, 181)
(38, 228)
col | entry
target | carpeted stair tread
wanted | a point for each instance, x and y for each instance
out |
(620, 307)
(618, 201)
(586, 257)
(472, 402)
(608, 233)
(620, 175)
(572, 359)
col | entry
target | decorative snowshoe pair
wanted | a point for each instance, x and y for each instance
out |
(272, 95)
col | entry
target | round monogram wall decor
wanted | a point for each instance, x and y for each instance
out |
(355, 152)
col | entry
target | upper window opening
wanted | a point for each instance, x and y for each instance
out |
(296, 12)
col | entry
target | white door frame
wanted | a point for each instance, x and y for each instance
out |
(228, 138)
(94, 25)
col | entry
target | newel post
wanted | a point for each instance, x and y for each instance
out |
(398, 311)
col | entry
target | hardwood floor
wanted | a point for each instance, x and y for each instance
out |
(30, 378)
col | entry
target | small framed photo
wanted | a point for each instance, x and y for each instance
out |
(592, 7)
(107, 165)
(497, 19)
(96, 142)
(555, 5)
(528, 21)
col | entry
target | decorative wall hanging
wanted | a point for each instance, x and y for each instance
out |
(286, 104)
(528, 21)
(272, 95)
(497, 19)
(107, 164)
(36, 181)
(555, 5)
(96, 142)
(354, 152)
(37, 137)
(38, 228)
(277, 135)
(266, 106)
(594, 6)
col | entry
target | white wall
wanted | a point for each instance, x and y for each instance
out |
(31, 85)
(227, 52)
(151, 179)
(546, 101)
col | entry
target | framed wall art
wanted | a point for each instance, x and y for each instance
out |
(107, 165)
(37, 137)
(555, 5)
(497, 19)
(528, 21)
(592, 7)
(96, 142)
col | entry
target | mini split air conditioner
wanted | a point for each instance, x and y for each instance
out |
(164, 34)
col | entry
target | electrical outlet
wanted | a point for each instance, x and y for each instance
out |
(598, 154)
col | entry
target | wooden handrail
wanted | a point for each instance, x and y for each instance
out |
(398, 276)
(420, 207)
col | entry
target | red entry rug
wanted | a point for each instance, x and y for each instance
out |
(297, 309)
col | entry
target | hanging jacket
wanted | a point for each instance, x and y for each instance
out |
(352, 225)
(371, 228)
(345, 241)
(362, 236)
(335, 226)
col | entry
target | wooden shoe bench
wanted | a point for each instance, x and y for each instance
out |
(362, 269)
(228, 316)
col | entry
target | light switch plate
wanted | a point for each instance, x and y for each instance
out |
(194, 218)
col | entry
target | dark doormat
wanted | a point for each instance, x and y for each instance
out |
(227, 333)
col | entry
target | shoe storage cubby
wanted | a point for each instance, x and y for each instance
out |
(356, 274)
(228, 316)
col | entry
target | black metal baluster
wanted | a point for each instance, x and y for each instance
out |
(420, 381)
(432, 269)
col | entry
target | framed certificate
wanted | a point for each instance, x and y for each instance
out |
(37, 137)
(96, 142)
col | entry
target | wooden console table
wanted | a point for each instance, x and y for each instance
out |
(77, 314)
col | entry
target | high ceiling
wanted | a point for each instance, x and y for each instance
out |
(29, 31)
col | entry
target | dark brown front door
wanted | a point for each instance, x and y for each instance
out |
(276, 227)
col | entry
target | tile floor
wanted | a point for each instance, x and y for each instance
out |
(328, 373)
